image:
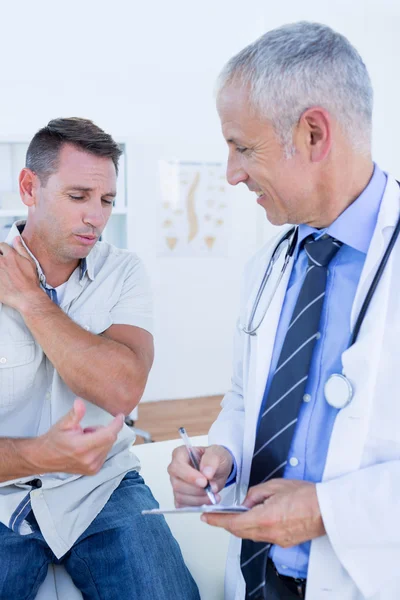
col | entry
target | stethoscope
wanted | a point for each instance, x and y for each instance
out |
(338, 390)
(289, 240)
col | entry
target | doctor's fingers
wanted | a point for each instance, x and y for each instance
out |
(249, 525)
(258, 493)
(216, 462)
(181, 469)
(181, 487)
(261, 492)
(192, 500)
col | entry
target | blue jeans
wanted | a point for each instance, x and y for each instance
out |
(123, 555)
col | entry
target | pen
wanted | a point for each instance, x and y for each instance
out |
(195, 463)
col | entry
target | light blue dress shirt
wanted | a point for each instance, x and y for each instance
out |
(354, 228)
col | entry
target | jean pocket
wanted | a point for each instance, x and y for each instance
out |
(16, 372)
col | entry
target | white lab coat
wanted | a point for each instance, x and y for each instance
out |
(359, 496)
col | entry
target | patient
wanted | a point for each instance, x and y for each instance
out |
(75, 320)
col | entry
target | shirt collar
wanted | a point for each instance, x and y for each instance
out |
(86, 265)
(355, 226)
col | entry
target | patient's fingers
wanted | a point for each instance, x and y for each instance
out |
(103, 437)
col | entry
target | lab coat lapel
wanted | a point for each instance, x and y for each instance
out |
(258, 356)
(361, 363)
(387, 218)
(360, 360)
(266, 337)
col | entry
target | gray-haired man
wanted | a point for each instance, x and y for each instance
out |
(323, 469)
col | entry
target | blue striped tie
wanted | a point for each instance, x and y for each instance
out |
(279, 416)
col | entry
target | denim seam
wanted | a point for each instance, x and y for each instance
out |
(46, 563)
(88, 568)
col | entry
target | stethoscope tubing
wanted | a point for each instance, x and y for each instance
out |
(292, 244)
(374, 284)
(293, 232)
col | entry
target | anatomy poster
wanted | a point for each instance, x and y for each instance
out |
(195, 211)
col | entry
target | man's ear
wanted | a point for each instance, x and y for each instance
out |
(315, 130)
(28, 184)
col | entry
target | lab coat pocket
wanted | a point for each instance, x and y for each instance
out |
(16, 372)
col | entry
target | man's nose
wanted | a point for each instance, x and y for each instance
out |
(95, 217)
(234, 171)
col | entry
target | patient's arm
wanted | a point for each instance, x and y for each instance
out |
(109, 370)
(66, 447)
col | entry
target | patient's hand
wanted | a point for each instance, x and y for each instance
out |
(188, 483)
(69, 448)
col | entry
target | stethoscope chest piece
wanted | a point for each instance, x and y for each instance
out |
(338, 391)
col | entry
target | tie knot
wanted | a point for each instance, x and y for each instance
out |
(320, 252)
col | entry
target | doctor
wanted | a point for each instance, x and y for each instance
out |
(320, 472)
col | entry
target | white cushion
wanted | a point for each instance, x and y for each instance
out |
(204, 548)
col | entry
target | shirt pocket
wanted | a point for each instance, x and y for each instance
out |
(17, 372)
(95, 322)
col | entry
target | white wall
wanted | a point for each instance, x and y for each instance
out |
(145, 71)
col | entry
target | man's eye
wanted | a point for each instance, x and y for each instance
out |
(109, 202)
(76, 197)
(241, 150)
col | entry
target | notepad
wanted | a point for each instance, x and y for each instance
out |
(204, 508)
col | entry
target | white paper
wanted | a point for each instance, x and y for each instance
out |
(204, 508)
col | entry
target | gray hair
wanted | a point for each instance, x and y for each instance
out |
(297, 66)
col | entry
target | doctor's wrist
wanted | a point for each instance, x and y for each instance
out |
(313, 502)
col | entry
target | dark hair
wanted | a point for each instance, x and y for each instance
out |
(43, 151)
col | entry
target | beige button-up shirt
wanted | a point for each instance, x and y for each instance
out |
(109, 287)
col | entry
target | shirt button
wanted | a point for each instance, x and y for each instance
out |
(306, 398)
(293, 461)
(284, 567)
(3, 360)
(87, 327)
(48, 395)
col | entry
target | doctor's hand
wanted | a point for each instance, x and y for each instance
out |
(19, 280)
(188, 484)
(283, 512)
(69, 448)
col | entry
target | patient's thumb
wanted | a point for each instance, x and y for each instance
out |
(74, 416)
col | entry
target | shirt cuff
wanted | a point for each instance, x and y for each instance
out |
(232, 476)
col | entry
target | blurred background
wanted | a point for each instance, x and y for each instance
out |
(145, 72)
